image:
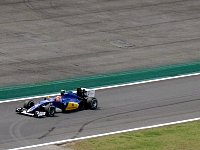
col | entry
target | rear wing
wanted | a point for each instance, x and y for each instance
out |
(83, 92)
(90, 93)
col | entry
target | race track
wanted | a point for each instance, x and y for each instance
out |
(119, 108)
(47, 40)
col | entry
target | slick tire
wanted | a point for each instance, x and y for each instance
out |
(82, 105)
(36, 115)
(92, 103)
(50, 110)
(28, 104)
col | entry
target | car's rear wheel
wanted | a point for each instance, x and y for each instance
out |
(92, 103)
(82, 105)
(28, 104)
(50, 110)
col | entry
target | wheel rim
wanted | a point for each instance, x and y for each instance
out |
(94, 104)
(35, 114)
(51, 111)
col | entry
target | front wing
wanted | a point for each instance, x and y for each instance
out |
(24, 112)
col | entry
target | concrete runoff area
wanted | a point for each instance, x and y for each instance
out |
(43, 40)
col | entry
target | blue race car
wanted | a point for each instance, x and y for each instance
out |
(66, 101)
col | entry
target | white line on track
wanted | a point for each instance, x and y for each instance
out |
(109, 87)
(105, 134)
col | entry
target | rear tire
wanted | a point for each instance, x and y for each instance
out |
(28, 104)
(92, 103)
(50, 110)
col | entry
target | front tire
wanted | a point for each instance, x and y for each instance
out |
(50, 110)
(36, 114)
(28, 104)
(92, 103)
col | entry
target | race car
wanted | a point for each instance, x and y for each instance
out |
(66, 101)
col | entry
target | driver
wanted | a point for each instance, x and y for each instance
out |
(58, 98)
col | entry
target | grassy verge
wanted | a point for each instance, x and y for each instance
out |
(177, 137)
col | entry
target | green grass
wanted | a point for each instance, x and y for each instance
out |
(177, 137)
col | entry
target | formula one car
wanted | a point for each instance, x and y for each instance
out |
(66, 101)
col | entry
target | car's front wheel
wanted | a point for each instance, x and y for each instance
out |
(50, 110)
(36, 114)
(28, 104)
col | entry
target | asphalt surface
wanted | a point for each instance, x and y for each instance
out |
(45, 40)
(119, 108)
